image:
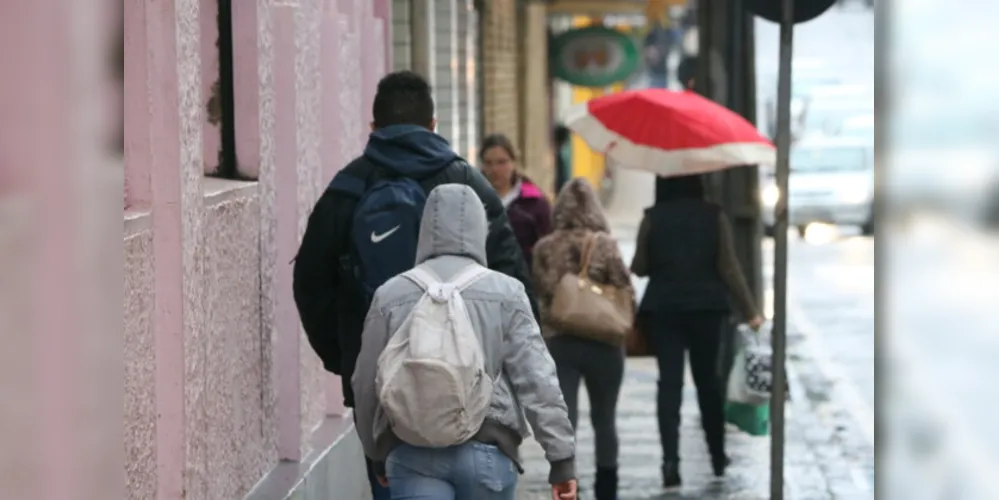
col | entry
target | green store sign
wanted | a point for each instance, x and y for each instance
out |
(594, 56)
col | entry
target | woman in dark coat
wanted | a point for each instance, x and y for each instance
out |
(527, 208)
(685, 248)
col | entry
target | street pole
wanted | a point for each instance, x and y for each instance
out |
(780, 255)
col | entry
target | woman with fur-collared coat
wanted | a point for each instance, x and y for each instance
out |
(578, 217)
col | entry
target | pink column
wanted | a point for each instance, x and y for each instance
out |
(38, 141)
(369, 80)
(136, 112)
(169, 208)
(47, 342)
(331, 157)
(329, 53)
(286, 362)
(347, 8)
(383, 10)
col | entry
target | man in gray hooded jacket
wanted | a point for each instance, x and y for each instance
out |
(452, 237)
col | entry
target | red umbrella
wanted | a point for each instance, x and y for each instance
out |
(669, 133)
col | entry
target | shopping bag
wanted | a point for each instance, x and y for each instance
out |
(751, 378)
(749, 418)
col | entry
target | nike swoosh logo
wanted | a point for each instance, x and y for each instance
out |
(377, 238)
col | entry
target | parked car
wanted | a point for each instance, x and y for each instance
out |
(808, 76)
(831, 181)
(858, 127)
(827, 117)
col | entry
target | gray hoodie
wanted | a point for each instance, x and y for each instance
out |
(453, 236)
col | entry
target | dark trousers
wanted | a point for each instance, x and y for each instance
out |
(699, 334)
(378, 492)
(601, 367)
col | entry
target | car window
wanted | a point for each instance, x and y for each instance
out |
(859, 127)
(829, 159)
(828, 120)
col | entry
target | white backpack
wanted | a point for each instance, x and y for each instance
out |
(431, 380)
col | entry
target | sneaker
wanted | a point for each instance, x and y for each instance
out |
(671, 476)
(720, 464)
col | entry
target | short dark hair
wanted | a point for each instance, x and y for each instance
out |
(497, 141)
(403, 98)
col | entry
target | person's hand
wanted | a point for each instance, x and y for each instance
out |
(756, 322)
(564, 491)
(382, 480)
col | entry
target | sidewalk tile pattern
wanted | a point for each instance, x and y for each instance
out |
(817, 464)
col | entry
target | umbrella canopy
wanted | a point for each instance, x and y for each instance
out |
(669, 133)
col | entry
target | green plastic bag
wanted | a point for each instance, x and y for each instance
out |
(751, 419)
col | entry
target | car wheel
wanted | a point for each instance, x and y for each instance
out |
(868, 228)
(769, 231)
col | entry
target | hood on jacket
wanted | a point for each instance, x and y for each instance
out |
(577, 207)
(410, 150)
(454, 223)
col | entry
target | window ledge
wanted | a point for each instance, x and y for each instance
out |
(216, 190)
(334, 436)
(137, 220)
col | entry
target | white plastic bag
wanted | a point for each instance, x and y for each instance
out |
(751, 379)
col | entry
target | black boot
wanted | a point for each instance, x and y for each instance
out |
(671, 475)
(719, 463)
(605, 487)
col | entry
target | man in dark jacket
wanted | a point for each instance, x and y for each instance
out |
(330, 301)
(402, 140)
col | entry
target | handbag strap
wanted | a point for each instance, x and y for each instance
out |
(584, 268)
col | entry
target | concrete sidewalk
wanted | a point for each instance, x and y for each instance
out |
(816, 466)
(826, 456)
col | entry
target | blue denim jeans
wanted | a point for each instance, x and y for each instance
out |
(468, 471)
(378, 492)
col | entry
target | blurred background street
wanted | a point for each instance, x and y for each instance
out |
(830, 427)
(235, 115)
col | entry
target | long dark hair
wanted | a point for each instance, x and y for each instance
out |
(500, 141)
(675, 188)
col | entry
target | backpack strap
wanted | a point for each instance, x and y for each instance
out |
(428, 281)
(467, 276)
(347, 183)
(424, 278)
(355, 178)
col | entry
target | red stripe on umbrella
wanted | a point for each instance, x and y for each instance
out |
(669, 133)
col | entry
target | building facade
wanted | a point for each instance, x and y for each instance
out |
(237, 114)
(488, 64)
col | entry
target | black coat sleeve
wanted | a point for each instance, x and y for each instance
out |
(316, 278)
(502, 249)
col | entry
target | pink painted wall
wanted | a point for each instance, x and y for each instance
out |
(220, 383)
